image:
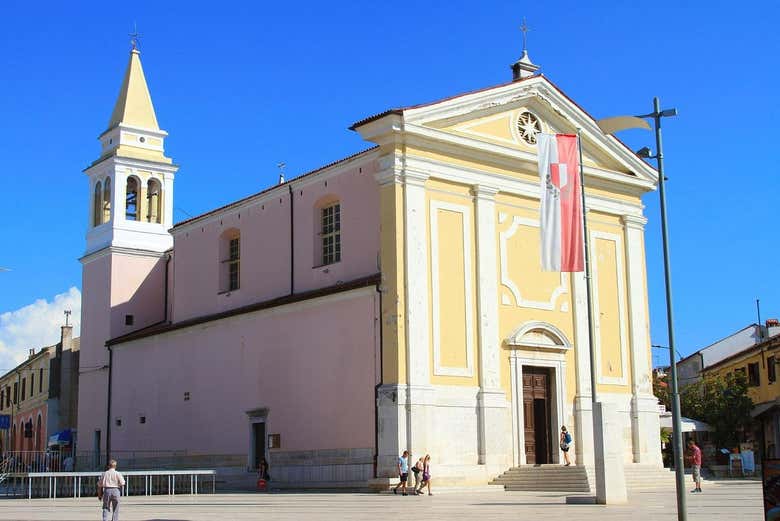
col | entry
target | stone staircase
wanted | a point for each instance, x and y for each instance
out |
(644, 477)
(557, 478)
(547, 478)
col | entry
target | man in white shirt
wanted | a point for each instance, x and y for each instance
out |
(109, 489)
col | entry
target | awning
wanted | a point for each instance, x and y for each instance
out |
(688, 424)
(762, 408)
(61, 438)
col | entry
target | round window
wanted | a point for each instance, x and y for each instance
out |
(142, 139)
(528, 126)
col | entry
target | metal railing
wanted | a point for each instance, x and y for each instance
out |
(36, 461)
(76, 484)
(88, 461)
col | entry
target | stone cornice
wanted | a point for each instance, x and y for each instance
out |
(95, 255)
(634, 221)
(485, 192)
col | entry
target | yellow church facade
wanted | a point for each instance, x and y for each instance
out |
(484, 356)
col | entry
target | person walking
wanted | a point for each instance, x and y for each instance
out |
(109, 490)
(417, 471)
(694, 457)
(565, 442)
(426, 475)
(403, 472)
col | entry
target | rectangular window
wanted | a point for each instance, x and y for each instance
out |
(331, 234)
(7, 395)
(24, 388)
(234, 269)
(40, 380)
(32, 384)
(754, 375)
(771, 369)
(2, 399)
(16, 393)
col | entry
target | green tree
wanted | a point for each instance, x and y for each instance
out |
(723, 403)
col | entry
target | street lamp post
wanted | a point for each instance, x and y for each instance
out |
(610, 126)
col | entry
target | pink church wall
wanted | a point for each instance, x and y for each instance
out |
(317, 381)
(265, 243)
(95, 330)
(358, 193)
(113, 286)
(137, 288)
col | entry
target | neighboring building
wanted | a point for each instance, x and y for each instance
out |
(689, 369)
(758, 363)
(41, 395)
(389, 300)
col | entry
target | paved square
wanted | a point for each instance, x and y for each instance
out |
(726, 500)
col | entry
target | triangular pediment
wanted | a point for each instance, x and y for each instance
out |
(499, 117)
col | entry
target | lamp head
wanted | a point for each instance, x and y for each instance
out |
(644, 153)
(668, 113)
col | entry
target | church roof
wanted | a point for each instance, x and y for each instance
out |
(134, 105)
(165, 327)
(269, 189)
(400, 110)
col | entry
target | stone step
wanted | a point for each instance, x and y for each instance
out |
(642, 477)
(545, 473)
(556, 468)
(544, 488)
(554, 478)
(505, 479)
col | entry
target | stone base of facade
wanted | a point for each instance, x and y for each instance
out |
(327, 466)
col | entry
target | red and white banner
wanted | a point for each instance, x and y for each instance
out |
(561, 203)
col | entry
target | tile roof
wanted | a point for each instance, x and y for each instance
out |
(400, 110)
(164, 327)
(269, 189)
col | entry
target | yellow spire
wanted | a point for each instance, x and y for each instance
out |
(134, 105)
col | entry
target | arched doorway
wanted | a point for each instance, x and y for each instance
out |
(538, 379)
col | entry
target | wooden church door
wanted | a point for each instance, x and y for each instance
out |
(536, 415)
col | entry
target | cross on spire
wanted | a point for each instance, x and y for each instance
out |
(524, 29)
(524, 67)
(135, 36)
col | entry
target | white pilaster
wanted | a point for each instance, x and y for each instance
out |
(168, 198)
(416, 269)
(644, 409)
(118, 199)
(419, 392)
(487, 287)
(491, 401)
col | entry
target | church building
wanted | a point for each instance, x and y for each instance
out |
(391, 300)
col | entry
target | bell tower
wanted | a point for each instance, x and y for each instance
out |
(131, 183)
(128, 247)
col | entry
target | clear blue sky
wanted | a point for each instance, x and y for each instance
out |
(242, 86)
